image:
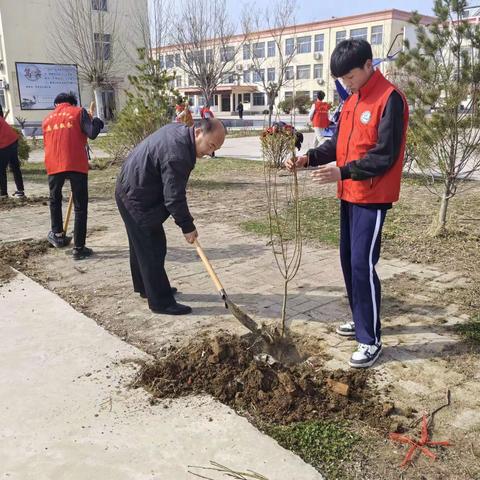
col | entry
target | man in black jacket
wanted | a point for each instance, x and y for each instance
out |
(151, 187)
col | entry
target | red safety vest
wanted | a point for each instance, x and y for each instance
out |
(64, 140)
(8, 135)
(320, 115)
(358, 133)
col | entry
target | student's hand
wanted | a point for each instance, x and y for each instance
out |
(190, 237)
(298, 162)
(326, 174)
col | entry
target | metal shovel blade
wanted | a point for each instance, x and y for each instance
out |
(239, 314)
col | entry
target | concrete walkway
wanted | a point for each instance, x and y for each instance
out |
(66, 411)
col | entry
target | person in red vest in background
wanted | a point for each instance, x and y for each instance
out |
(9, 156)
(368, 148)
(205, 112)
(65, 133)
(319, 117)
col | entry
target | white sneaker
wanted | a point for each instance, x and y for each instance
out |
(346, 330)
(19, 194)
(365, 355)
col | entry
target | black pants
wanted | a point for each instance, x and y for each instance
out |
(9, 156)
(148, 248)
(79, 186)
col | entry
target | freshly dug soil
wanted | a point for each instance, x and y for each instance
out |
(17, 254)
(229, 368)
(10, 202)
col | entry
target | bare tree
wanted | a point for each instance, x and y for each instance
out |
(84, 32)
(283, 205)
(204, 44)
(278, 18)
(152, 26)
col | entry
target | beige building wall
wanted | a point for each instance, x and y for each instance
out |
(391, 22)
(24, 37)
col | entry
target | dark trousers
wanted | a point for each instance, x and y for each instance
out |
(79, 186)
(148, 248)
(360, 239)
(9, 156)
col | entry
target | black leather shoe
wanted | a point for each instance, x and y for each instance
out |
(173, 309)
(174, 291)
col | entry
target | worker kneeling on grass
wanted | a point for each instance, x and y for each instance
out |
(151, 186)
(65, 133)
(368, 148)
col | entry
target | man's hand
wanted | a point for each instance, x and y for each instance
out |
(190, 237)
(326, 174)
(298, 162)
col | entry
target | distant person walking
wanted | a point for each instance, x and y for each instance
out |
(319, 117)
(240, 110)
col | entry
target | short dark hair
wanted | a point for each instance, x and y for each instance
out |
(320, 94)
(349, 54)
(70, 98)
(208, 125)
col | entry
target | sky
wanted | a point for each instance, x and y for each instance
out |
(314, 10)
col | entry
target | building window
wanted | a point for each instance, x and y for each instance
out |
(303, 94)
(178, 81)
(271, 50)
(228, 54)
(228, 78)
(377, 35)
(100, 5)
(319, 40)
(289, 73)
(191, 81)
(258, 50)
(258, 99)
(359, 33)
(246, 76)
(161, 60)
(246, 52)
(318, 70)
(340, 36)
(178, 60)
(246, 98)
(169, 61)
(271, 74)
(288, 95)
(304, 44)
(103, 47)
(209, 56)
(259, 75)
(289, 46)
(303, 72)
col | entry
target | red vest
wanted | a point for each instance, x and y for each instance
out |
(7, 134)
(320, 116)
(64, 140)
(358, 133)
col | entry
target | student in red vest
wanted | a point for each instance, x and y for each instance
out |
(205, 112)
(65, 133)
(368, 149)
(319, 117)
(9, 156)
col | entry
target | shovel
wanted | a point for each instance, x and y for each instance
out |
(241, 316)
(67, 220)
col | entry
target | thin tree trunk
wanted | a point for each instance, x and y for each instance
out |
(284, 306)
(442, 214)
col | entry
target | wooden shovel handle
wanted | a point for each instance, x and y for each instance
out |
(208, 266)
(69, 212)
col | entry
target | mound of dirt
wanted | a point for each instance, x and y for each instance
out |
(10, 202)
(17, 254)
(234, 371)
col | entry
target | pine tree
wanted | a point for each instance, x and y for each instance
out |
(148, 107)
(442, 84)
